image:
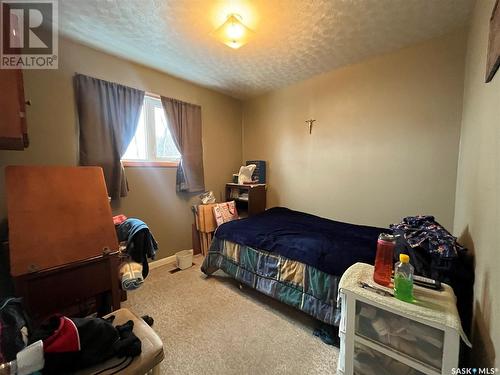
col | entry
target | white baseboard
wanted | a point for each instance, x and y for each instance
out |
(162, 262)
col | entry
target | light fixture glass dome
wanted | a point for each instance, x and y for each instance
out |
(233, 33)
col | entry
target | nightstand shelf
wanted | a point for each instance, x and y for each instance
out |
(381, 335)
(250, 199)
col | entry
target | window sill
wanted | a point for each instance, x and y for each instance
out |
(150, 164)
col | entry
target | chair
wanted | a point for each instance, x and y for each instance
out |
(148, 362)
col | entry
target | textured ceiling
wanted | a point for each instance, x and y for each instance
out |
(293, 39)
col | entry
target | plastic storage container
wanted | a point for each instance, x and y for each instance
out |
(184, 259)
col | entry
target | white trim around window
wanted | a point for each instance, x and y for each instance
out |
(152, 145)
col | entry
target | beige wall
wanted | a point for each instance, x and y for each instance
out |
(52, 131)
(477, 210)
(384, 144)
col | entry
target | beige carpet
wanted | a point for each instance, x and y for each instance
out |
(210, 326)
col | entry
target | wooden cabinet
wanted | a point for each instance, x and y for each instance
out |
(250, 199)
(13, 128)
(63, 248)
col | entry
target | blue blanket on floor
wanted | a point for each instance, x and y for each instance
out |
(330, 246)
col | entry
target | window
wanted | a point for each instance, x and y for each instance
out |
(152, 143)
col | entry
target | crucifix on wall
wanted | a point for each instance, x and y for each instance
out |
(310, 124)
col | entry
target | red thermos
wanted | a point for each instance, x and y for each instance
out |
(384, 259)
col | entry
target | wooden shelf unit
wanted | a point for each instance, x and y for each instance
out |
(250, 199)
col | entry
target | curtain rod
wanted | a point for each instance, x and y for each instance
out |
(153, 95)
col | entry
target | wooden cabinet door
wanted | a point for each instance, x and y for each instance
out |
(57, 216)
(13, 130)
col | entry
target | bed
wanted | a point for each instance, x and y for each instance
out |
(294, 257)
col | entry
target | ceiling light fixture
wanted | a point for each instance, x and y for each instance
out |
(233, 33)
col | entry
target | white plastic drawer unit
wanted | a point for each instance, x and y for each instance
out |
(417, 341)
(385, 336)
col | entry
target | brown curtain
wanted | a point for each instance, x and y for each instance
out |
(184, 122)
(108, 114)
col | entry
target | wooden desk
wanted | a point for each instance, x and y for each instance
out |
(65, 288)
(62, 242)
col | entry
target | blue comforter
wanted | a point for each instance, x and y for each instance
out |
(330, 246)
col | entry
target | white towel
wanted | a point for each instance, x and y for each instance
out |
(131, 275)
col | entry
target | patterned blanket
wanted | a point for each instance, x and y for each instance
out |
(294, 283)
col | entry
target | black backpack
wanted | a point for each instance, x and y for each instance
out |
(15, 327)
(99, 341)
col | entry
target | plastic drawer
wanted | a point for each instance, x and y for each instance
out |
(416, 340)
(368, 361)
